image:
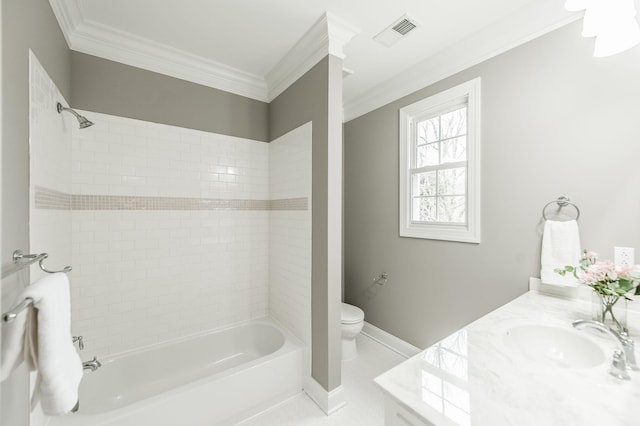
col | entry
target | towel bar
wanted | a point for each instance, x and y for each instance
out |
(13, 313)
(21, 261)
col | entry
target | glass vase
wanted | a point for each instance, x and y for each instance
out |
(610, 310)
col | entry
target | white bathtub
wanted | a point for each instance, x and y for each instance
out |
(213, 379)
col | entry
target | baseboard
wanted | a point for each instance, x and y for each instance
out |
(329, 402)
(397, 345)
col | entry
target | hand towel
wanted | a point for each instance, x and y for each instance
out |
(47, 344)
(560, 247)
(13, 349)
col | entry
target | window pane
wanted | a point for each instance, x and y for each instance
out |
(424, 184)
(452, 181)
(454, 123)
(428, 155)
(428, 130)
(424, 209)
(454, 150)
(452, 209)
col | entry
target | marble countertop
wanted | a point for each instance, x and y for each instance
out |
(473, 377)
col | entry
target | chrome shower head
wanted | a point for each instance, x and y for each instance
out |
(82, 120)
(84, 123)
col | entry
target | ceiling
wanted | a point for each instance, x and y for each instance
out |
(246, 40)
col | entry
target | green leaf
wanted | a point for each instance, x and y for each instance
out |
(625, 284)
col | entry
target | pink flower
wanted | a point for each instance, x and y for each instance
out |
(604, 276)
(599, 272)
(591, 256)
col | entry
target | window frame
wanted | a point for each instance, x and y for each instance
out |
(433, 106)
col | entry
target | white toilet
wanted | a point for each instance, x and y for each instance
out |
(352, 320)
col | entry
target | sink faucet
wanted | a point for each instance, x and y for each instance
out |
(622, 359)
(92, 365)
(629, 351)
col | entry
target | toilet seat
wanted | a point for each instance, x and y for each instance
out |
(350, 314)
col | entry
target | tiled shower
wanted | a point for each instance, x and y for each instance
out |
(170, 231)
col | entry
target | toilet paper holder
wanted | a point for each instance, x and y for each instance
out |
(381, 279)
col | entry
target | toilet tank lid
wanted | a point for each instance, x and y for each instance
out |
(351, 314)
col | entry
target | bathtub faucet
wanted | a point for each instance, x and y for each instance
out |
(92, 365)
(80, 341)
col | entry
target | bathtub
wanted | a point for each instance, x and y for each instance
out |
(217, 378)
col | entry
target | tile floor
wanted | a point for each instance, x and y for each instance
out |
(364, 400)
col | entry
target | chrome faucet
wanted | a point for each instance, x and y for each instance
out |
(629, 351)
(92, 365)
(623, 359)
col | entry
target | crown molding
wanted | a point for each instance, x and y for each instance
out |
(96, 39)
(68, 14)
(524, 25)
(327, 36)
(109, 43)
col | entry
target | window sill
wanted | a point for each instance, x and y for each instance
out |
(461, 234)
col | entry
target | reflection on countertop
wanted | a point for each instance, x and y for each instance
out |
(474, 377)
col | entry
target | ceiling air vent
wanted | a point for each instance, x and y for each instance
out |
(404, 26)
(396, 31)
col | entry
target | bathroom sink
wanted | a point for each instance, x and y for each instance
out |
(552, 345)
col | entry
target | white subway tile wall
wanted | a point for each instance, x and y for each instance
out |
(49, 165)
(121, 156)
(142, 277)
(146, 276)
(290, 233)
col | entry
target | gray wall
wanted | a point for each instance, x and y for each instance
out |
(109, 87)
(26, 24)
(317, 97)
(555, 121)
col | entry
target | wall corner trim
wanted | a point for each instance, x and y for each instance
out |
(329, 402)
(327, 36)
(392, 342)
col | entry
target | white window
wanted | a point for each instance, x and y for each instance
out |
(440, 166)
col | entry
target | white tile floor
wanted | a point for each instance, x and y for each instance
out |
(364, 400)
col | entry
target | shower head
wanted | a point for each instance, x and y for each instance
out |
(82, 120)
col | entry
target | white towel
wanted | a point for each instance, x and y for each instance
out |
(13, 348)
(560, 247)
(47, 344)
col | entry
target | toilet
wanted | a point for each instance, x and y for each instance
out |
(352, 320)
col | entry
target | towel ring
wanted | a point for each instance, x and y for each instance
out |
(561, 202)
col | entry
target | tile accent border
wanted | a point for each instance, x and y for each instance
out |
(120, 202)
(51, 199)
(301, 203)
(46, 198)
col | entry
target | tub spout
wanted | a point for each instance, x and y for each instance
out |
(92, 365)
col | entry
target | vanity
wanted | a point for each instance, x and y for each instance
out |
(522, 364)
